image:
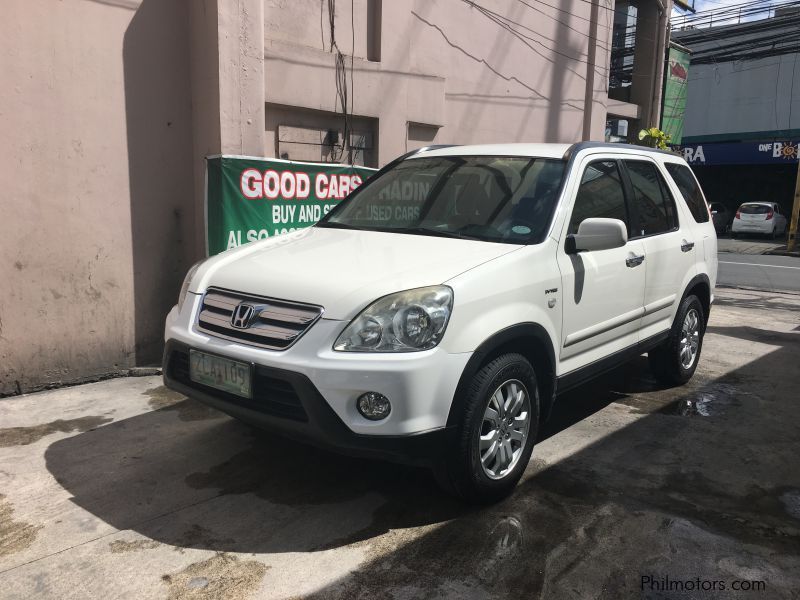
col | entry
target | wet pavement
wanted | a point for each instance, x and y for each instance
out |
(125, 489)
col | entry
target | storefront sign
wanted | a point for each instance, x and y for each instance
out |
(675, 85)
(744, 153)
(249, 199)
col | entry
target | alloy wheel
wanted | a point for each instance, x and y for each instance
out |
(505, 429)
(690, 338)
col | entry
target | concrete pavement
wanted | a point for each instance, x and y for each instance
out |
(749, 244)
(123, 489)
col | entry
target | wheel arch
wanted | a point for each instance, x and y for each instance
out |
(532, 341)
(700, 286)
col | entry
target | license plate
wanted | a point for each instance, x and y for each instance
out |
(223, 374)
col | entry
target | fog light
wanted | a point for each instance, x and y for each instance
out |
(373, 406)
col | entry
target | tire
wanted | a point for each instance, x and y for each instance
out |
(463, 472)
(669, 361)
(774, 233)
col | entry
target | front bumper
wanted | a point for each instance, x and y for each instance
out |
(287, 403)
(315, 388)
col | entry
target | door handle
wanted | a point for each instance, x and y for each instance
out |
(686, 246)
(635, 260)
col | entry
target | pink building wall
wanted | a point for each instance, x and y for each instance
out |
(108, 108)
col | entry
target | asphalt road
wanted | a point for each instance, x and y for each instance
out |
(763, 272)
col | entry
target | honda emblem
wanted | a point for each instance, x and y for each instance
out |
(243, 316)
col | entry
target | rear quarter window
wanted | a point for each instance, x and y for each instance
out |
(690, 190)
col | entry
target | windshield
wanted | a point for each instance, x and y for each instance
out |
(489, 198)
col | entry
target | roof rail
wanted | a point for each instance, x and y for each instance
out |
(577, 147)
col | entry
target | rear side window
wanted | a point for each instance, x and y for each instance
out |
(690, 190)
(755, 209)
(599, 195)
(653, 206)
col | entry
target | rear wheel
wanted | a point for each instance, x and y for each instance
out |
(675, 361)
(496, 434)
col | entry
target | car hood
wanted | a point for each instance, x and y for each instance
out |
(342, 270)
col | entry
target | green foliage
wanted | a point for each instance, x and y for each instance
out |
(654, 138)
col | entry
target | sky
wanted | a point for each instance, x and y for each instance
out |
(706, 5)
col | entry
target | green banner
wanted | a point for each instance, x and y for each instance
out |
(249, 199)
(676, 82)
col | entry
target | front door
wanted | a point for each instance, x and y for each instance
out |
(671, 249)
(603, 291)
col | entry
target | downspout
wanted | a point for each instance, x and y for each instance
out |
(658, 67)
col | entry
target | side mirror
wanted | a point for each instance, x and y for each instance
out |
(597, 234)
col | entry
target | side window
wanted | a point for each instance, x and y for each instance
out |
(690, 190)
(653, 206)
(599, 195)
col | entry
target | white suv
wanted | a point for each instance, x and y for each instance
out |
(435, 314)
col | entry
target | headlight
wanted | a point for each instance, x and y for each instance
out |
(186, 282)
(403, 322)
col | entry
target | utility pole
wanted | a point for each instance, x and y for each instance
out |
(791, 244)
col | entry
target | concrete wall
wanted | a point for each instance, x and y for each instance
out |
(508, 73)
(95, 118)
(108, 109)
(753, 96)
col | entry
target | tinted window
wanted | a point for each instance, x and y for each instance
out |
(489, 198)
(652, 204)
(690, 190)
(755, 209)
(599, 195)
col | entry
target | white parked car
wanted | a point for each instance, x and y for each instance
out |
(435, 314)
(764, 218)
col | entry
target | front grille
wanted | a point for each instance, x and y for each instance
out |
(276, 327)
(271, 395)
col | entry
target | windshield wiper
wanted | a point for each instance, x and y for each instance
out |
(437, 232)
(337, 225)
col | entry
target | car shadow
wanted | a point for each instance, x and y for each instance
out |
(189, 476)
(700, 488)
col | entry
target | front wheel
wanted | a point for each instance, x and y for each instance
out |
(675, 361)
(496, 432)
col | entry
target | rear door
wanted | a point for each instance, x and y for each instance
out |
(694, 217)
(603, 290)
(670, 248)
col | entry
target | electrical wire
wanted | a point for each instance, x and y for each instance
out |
(761, 41)
(343, 94)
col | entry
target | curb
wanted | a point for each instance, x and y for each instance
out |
(55, 385)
